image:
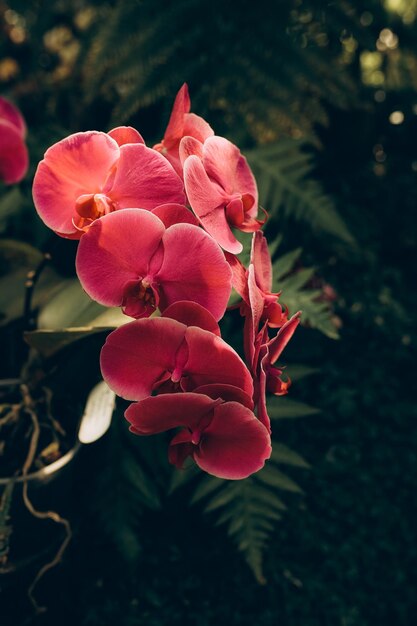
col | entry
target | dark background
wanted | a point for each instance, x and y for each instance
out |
(329, 75)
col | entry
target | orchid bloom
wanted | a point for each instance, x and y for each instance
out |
(268, 377)
(254, 285)
(223, 437)
(163, 355)
(181, 124)
(129, 259)
(90, 174)
(221, 189)
(14, 159)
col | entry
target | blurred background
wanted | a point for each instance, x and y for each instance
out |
(321, 97)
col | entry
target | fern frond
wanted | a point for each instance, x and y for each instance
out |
(281, 171)
(251, 508)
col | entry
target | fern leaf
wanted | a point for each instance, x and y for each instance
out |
(281, 172)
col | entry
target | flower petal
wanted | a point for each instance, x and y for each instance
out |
(278, 343)
(157, 414)
(234, 445)
(192, 314)
(125, 134)
(190, 146)
(171, 214)
(144, 179)
(196, 126)
(14, 158)
(76, 165)
(212, 360)
(220, 160)
(261, 260)
(117, 249)
(10, 113)
(137, 355)
(228, 393)
(207, 201)
(175, 128)
(194, 268)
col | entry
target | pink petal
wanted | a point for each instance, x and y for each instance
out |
(117, 249)
(261, 260)
(157, 414)
(253, 318)
(196, 126)
(175, 128)
(246, 184)
(207, 201)
(125, 134)
(234, 445)
(194, 268)
(262, 411)
(192, 314)
(212, 360)
(139, 354)
(239, 276)
(228, 393)
(14, 158)
(144, 179)
(220, 160)
(280, 341)
(171, 214)
(76, 165)
(190, 146)
(10, 113)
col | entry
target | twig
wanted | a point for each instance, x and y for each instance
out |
(57, 426)
(52, 515)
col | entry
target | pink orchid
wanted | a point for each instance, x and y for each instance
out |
(192, 314)
(268, 377)
(163, 355)
(221, 189)
(254, 286)
(14, 158)
(129, 259)
(181, 124)
(90, 174)
(224, 438)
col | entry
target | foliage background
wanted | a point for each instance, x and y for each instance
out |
(323, 96)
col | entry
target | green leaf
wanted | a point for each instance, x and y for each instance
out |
(283, 265)
(182, 477)
(145, 486)
(286, 456)
(49, 342)
(298, 371)
(285, 408)
(16, 260)
(10, 204)
(271, 476)
(206, 487)
(282, 170)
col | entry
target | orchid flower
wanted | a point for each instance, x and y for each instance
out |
(254, 285)
(181, 124)
(163, 355)
(90, 174)
(221, 189)
(129, 259)
(268, 377)
(224, 438)
(14, 159)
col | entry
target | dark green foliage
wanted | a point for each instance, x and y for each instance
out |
(287, 189)
(251, 63)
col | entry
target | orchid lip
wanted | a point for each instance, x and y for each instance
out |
(93, 205)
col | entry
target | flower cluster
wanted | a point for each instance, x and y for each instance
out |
(156, 239)
(14, 158)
